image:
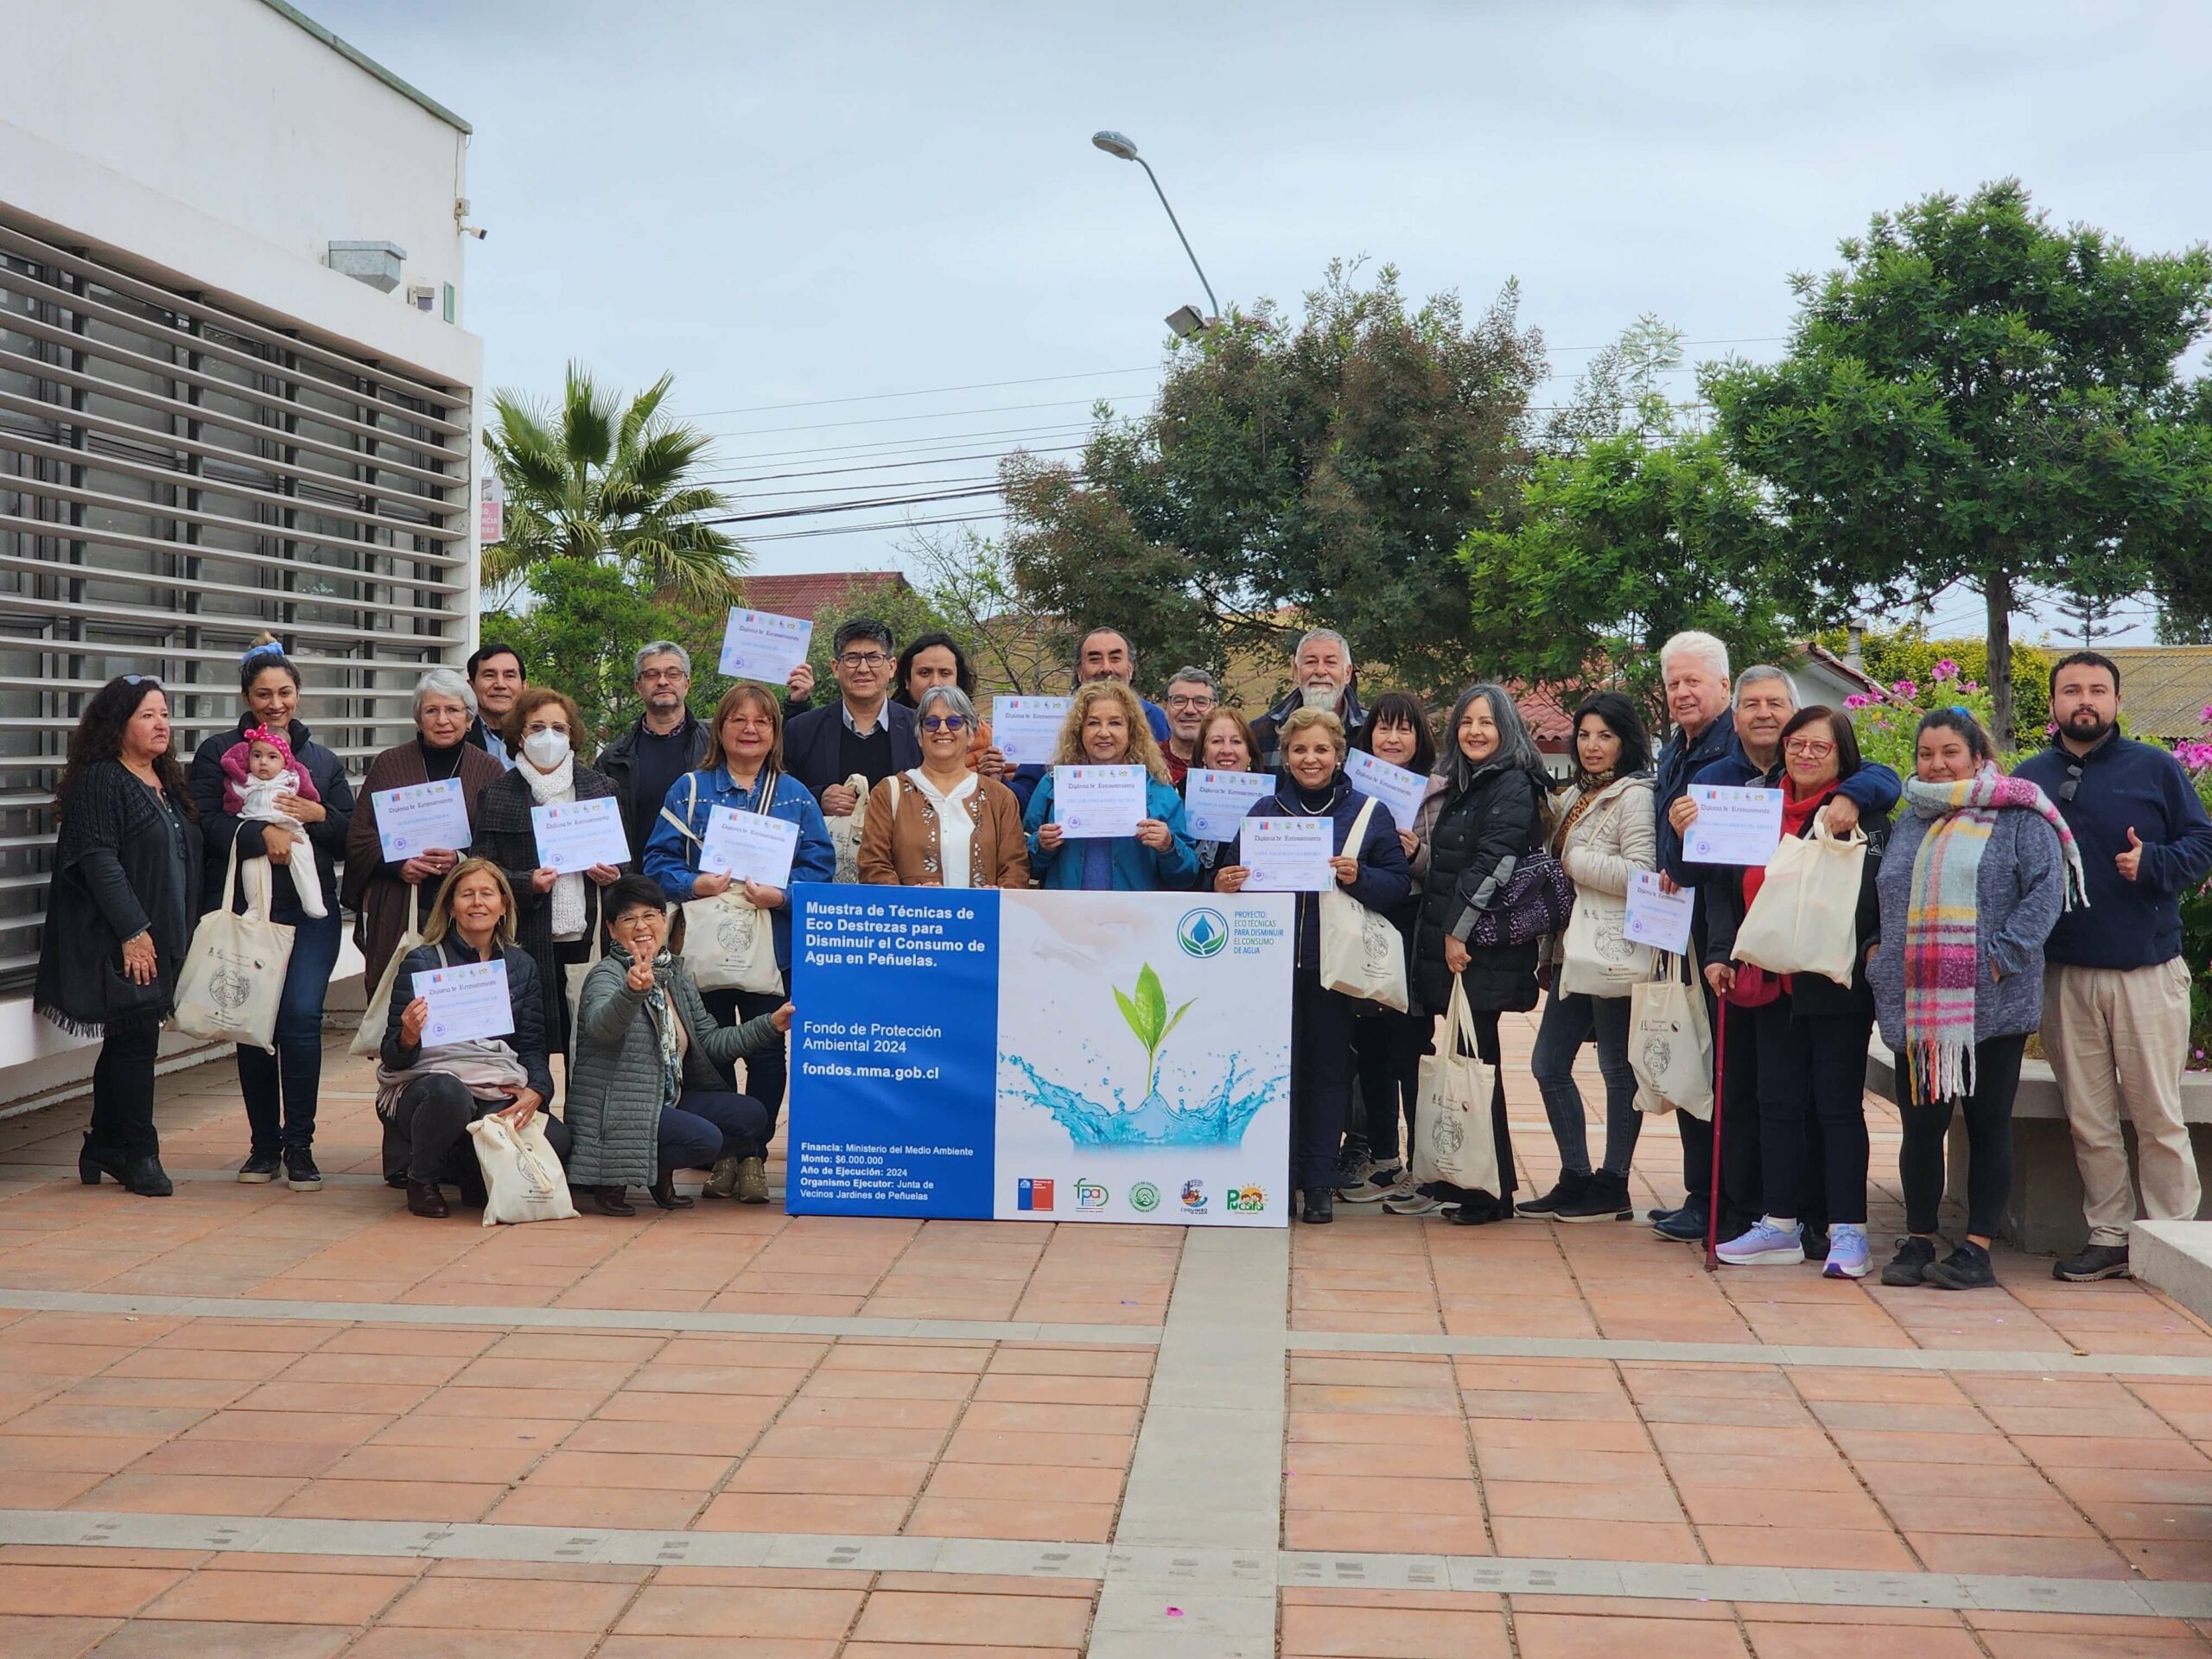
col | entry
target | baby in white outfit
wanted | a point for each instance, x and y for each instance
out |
(258, 773)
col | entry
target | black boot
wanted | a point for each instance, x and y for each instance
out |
(1318, 1206)
(1570, 1189)
(424, 1200)
(145, 1177)
(1604, 1199)
(609, 1201)
(665, 1194)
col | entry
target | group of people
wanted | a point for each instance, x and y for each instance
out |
(1967, 892)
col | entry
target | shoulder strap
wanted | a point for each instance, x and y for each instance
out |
(683, 828)
(1357, 839)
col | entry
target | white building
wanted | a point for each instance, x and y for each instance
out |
(207, 428)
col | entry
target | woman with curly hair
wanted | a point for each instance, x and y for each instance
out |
(120, 913)
(1106, 727)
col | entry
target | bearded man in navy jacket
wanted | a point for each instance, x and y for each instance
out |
(2115, 997)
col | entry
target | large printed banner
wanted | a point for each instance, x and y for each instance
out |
(1040, 1056)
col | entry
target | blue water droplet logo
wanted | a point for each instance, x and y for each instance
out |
(1202, 933)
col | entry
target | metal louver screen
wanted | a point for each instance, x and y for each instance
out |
(176, 477)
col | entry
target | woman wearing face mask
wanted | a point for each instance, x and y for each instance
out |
(940, 825)
(1390, 1045)
(555, 914)
(1473, 834)
(1225, 744)
(1106, 727)
(1371, 865)
(1956, 1006)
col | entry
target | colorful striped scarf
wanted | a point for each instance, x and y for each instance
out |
(1942, 961)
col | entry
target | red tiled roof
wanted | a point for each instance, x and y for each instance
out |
(805, 594)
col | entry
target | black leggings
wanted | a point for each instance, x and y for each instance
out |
(1389, 1047)
(1812, 1111)
(429, 1125)
(1989, 1143)
(122, 1093)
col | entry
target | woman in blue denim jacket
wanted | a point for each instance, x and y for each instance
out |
(748, 730)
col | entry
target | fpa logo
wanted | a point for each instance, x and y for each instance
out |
(1032, 1195)
(1202, 933)
(1089, 1195)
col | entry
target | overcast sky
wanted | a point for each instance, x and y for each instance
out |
(790, 204)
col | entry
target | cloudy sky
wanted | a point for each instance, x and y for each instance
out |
(807, 212)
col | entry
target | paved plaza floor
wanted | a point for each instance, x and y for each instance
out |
(265, 1425)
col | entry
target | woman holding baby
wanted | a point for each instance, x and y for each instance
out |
(267, 785)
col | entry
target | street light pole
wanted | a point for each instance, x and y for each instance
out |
(1115, 144)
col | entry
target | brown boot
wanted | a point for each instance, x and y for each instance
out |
(423, 1198)
(722, 1183)
(609, 1201)
(665, 1194)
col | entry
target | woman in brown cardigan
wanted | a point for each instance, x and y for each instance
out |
(940, 825)
(381, 893)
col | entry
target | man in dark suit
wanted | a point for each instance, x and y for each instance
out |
(862, 732)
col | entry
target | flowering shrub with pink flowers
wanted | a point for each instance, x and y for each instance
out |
(2196, 757)
(1885, 725)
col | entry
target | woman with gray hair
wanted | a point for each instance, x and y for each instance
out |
(940, 825)
(1472, 836)
(381, 892)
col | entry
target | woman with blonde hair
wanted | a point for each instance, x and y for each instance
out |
(1106, 727)
(429, 1094)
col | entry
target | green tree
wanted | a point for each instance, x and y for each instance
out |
(1632, 527)
(577, 623)
(1290, 476)
(594, 478)
(1977, 398)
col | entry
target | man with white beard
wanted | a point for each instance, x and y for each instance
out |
(1322, 678)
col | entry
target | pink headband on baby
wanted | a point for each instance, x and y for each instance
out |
(276, 740)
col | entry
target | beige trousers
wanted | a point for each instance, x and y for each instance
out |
(2115, 1035)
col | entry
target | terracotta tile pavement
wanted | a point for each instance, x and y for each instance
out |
(2079, 1475)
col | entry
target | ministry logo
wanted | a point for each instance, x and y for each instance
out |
(1202, 933)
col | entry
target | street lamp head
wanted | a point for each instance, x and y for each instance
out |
(1187, 321)
(1115, 144)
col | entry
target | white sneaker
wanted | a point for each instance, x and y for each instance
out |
(1407, 1199)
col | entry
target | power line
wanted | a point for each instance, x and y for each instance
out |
(889, 466)
(925, 392)
(823, 509)
(908, 445)
(862, 529)
(938, 414)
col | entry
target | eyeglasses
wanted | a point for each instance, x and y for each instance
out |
(864, 659)
(2072, 786)
(655, 674)
(944, 722)
(1201, 701)
(1806, 749)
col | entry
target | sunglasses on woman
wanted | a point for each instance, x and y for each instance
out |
(944, 722)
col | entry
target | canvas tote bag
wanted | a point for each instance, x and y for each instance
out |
(1362, 953)
(1671, 1043)
(234, 975)
(728, 943)
(1453, 1138)
(1805, 919)
(522, 1177)
(369, 1040)
(845, 832)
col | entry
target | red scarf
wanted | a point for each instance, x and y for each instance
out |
(1795, 816)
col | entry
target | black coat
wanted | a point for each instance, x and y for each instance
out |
(528, 1039)
(115, 877)
(323, 769)
(1812, 995)
(618, 764)
(505, 835)
(1384, 880)
(1481, 835)
(811, 743)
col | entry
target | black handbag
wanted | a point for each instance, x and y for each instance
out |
(1538, 899)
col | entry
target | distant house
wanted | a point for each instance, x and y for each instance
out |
(1823, 677)
(2163, 690)
(804, 595)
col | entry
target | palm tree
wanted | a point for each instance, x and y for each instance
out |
(592, 480)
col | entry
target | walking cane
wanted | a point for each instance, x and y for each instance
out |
(1713, 1201)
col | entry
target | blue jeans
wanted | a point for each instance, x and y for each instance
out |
(1569, 1021)
(280, 1089)
(706, 1124)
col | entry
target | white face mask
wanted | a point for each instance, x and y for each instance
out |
(546, 750)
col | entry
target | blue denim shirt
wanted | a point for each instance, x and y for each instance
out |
(672, 857)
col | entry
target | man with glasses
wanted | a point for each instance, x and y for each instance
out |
(2116, 994)
(1193, 694)
(863, 732)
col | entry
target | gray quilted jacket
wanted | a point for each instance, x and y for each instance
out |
(615, 1083)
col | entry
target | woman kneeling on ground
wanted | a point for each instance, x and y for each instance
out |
(1956, 1006)
(646, 1098)
(427, 1096)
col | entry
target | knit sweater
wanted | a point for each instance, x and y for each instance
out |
(2018, 892)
